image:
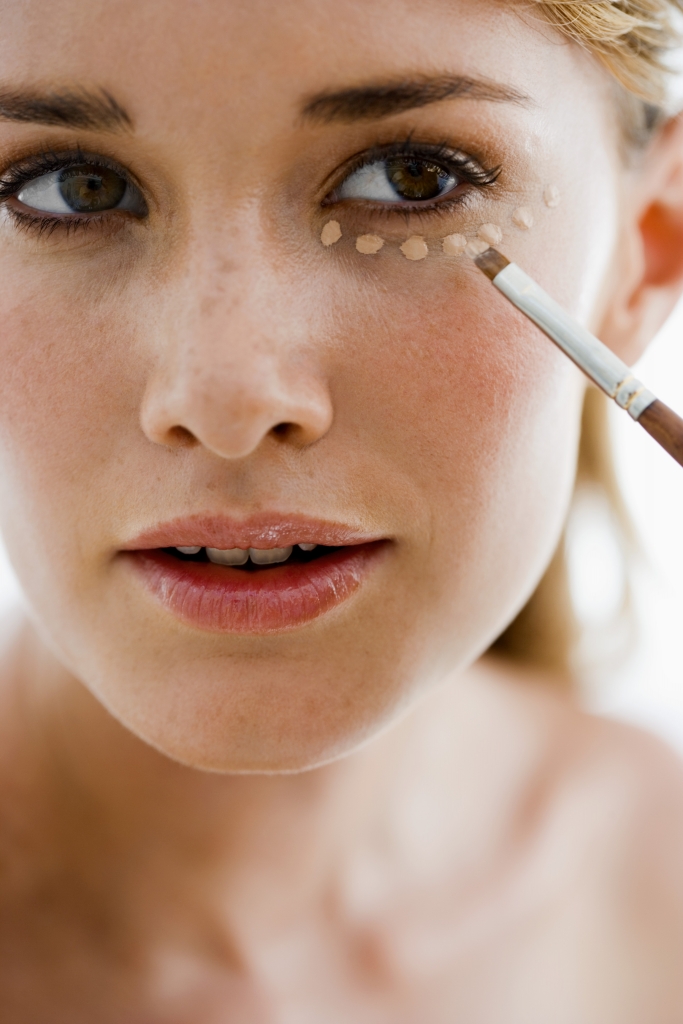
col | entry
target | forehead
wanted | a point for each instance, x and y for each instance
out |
(170, 57)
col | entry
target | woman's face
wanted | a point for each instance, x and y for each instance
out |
(184, 364)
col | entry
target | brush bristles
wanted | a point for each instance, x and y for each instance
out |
(491, 262)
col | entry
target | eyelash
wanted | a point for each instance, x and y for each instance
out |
(455, 161)
(12, 180)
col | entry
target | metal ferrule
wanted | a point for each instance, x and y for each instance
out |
(633, 396)
(597, 361)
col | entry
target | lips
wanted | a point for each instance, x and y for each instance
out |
(259, 598)
(263, 531)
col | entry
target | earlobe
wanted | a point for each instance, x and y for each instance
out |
(649, 267)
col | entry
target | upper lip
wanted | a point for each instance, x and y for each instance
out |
(260, 531)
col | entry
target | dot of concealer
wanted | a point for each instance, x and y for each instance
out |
(551, 196)
(415, 248)
(475, 247)
(454, 245)
(523, 218)
(331, 232)
(490, 233)
(369, 244)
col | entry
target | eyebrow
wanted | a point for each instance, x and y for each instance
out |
(372, 102)
(97, 111)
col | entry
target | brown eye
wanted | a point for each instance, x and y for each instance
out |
(417, 179)
(83, 189)
(88, 189)
(398, 179)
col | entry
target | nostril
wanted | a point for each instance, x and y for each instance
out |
(282, 429)
(181, 437)
(231, 416)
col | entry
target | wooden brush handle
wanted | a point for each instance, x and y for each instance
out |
(666, 427)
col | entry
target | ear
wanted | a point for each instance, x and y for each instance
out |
(649, 265)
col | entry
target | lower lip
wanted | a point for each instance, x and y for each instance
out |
(221, 599)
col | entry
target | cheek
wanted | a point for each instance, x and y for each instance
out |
(478, 414)
(68, 413)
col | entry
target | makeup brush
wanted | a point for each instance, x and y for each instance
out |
(597, 361)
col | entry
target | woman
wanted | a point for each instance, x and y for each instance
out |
(271, 499)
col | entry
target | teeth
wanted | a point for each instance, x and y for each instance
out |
(307, 547)
(269, 556)
(231, 556)
(189, 551)
(238, 556)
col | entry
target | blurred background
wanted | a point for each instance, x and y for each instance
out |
(645, 685)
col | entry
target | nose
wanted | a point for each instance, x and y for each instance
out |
(228, 374)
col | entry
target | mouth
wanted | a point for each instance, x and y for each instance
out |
(258, 587)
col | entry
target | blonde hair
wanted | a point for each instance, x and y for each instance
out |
(631, 38)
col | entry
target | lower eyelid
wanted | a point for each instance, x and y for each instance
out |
(16, 206)
(33, 218)
(456, 196)
(46, 224)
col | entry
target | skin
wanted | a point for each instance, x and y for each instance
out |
(196, 828)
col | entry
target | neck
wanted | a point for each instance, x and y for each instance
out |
(251, 855)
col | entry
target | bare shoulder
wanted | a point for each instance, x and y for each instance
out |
(602, 820)
(627, 784)
(619, 810)
(626, 787)
(607, 797)
(596, 761)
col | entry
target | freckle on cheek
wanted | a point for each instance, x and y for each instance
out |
(551, 196)
(491, 234)
(523, 218)
(369, 244)
(415, 248)
(331, 232)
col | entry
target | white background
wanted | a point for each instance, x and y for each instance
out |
(648, 687)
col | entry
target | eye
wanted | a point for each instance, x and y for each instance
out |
(398, 179)
(81, 188)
